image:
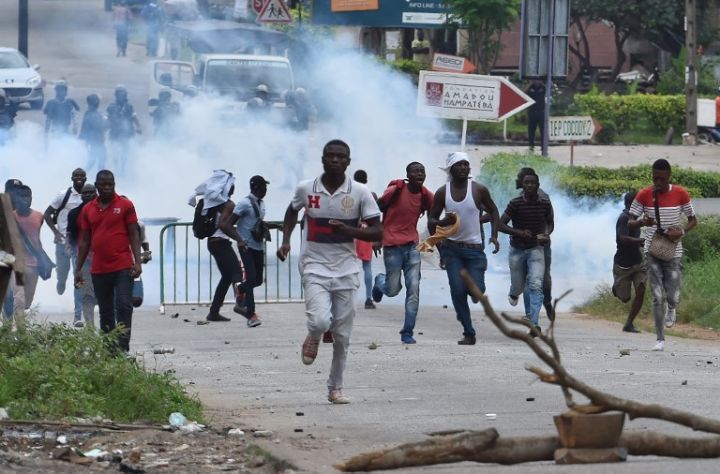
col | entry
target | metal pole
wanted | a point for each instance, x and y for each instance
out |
(548, 78)
(23, 21)
(691, 87)
(463, 137)
(523, 33)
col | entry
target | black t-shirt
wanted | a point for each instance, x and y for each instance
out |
(626, 255)
(60, 113)
(72, 225)
(537, 93)
(528, 215)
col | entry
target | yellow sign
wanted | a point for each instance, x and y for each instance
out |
(354, 5)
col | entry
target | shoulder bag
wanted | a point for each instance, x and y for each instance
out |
(44, 264)
(260, 230)
(661, 247)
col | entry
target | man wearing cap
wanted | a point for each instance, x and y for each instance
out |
(59, 111)
(248, 212)
(464, 199)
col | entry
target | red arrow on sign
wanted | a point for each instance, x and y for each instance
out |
(510, 100)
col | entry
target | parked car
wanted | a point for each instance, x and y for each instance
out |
(20, 80)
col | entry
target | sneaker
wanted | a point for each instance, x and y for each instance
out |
(369, 304)
(328, 337)
(79, 324)
(408, 340)
(670, 318)
(377, 293)
(659, 346)
(310, 349)
(242, 310)
(467, 341)
(630, 328)
(513, 300)
(254, 321)
(336, 397)
(535, 331)
(217, 318)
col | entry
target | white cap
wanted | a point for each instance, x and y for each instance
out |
(454, 157)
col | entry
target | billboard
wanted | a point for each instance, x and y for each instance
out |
(381, 13)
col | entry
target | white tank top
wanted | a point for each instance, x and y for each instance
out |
(469, 231)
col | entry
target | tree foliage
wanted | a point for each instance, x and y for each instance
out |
(648, 19)
(485, 21)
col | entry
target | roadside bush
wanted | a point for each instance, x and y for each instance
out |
(410, 67)
(56, 372)
(703, 242)
(621, 112)
(700, 295)
(499, 172)
(672, 81)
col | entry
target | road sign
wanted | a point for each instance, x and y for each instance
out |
(274, 11)
(469, 97)
(449, 63)
(383, 14)
(258, 5)
(573, 128)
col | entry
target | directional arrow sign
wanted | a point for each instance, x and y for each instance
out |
(449, 63)
(469, 97)
(573, 128)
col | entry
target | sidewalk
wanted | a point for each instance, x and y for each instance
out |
(254, 379)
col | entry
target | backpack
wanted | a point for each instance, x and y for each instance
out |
(425, 203)
(205, 224)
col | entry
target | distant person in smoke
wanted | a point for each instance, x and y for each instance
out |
(56, 217)
(29, 222)
(8, 112)
(536, 112)
(121, 17)
(463, 198)
(92, 132)
(533, 221)
(154, 18)
(403, 203)
(299, 100)
(11, 186)
(668, 202)
(123, 124)
(629, 268)
(87, 292)
(216, 192)
(60, 111)
(247, 221)
(364, 250)
(335, 205)
(165, 113)
(109, 229)
(547, 277)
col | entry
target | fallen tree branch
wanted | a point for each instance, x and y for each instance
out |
(82, 426)
(514, 450)
(604, 401)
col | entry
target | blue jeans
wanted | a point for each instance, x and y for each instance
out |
(547, 284)
(405, 259)
(367, 274)
(64, 261)
(527, 269)
(474, 261)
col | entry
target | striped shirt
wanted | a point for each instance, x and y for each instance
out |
(529, 215)
(672, 204)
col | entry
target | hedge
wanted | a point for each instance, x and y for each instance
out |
(499, 171)
(619, 113)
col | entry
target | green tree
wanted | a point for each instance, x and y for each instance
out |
(647, 19)
(485, 21)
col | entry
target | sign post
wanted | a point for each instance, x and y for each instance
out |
(573, 129)
(468, 97)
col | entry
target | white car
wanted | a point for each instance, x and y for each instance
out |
(20, 80)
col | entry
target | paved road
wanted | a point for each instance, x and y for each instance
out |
(253, 378)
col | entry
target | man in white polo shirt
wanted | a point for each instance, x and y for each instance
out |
(56, 217)
(335, 205)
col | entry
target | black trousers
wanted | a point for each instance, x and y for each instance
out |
(113, 292)
(535, 120)
(253, 261)
(230, 270)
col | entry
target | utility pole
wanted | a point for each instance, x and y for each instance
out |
(23, 15)
(548, 77)
(691, 73)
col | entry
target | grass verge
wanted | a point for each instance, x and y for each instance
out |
(57, 372)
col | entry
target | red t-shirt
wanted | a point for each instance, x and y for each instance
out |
(109, 239)
(401, 218)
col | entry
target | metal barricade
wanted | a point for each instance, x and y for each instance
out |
(188, 274)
